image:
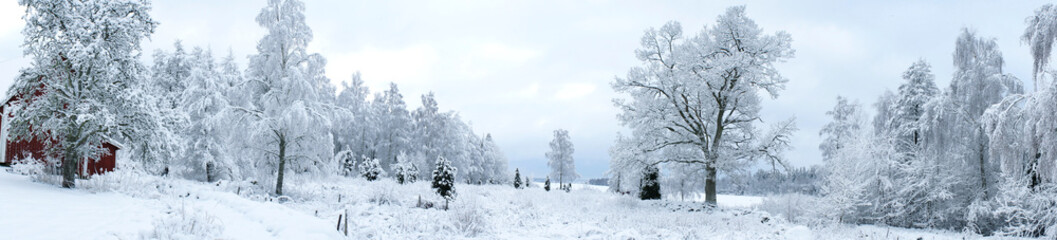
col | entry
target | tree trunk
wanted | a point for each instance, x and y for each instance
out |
(983, 171)
(710, 185)
(282, 165)
(69, 168)
(560, 175)
(209, 171)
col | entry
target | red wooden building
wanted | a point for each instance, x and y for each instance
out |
(15, 150)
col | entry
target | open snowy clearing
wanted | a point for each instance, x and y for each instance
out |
(35, 211)
(124, 206)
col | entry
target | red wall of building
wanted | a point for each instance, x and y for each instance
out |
(17, 150)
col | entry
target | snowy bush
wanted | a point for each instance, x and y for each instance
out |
(470, 218)
(384, 194)
(38, 171)
(185, 222)
(794, 207)
(132, 182)
(628, 202)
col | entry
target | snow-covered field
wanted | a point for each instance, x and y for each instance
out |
(127, 206)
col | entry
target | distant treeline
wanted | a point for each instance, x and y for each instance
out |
(766, 182)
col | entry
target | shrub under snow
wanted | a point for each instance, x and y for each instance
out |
(186, 221)
(794, 207)
(39, 171)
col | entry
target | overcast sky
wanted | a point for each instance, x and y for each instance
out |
(520, 69)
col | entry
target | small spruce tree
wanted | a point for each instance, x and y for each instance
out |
(411, 172)
(651, 188)
(547, 184)
(348, 162)
(406, 172)
(517, 178)
(400, 176)
(370, 169)
(528, 183)
(444, 180)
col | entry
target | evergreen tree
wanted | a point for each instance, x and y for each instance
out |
(370, 169)
(547, 184)
(651, 188)
(347, 159)
(517, 178)
(444, 180)
(405, 170)
(528, 183)
(914, 94)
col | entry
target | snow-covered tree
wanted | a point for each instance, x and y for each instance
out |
(845, 149)
(651, 185)
(431, 134)
(843, 127)
(681, 180)
(703, 92)
(405, 169)
(206, 109)
(1024, 145)
(517, 178)
(547, 184)
(292, 99)
(494, 162)
(885, 112)
(444, 180)
(370, 169)
(1040, 35)
(353, 121)
(347, 160)
(919, 88)
(81, 90)
(194, 97)
(954, 139)
(626, 164)
(921, 184)
(560, 158)
(394, 126)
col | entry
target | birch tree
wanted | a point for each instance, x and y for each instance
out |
(292, 99)
(560, 158)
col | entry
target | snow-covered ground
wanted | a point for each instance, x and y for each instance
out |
(129, 206)
(30, 210)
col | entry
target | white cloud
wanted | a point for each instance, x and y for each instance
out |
(506, 53)
(571, 91)
(412, 66)
(531, 91)
(482, 60)
(12, 17)
(827, 40)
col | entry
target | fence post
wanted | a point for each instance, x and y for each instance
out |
(339, 222)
